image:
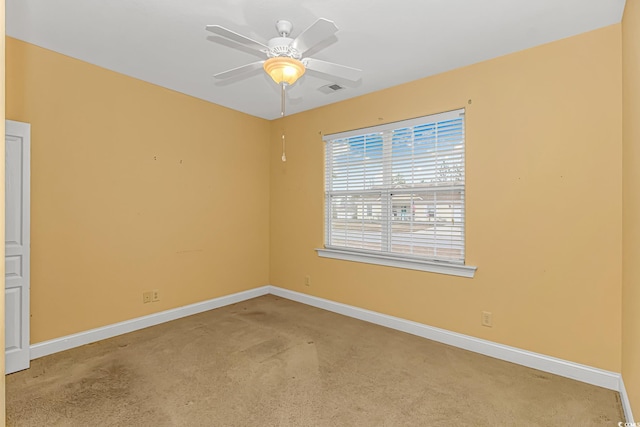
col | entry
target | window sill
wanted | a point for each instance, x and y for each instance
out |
(391, 261)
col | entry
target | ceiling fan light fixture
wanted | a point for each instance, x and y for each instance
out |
(283, 69)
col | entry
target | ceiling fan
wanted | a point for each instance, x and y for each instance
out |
(285, 59)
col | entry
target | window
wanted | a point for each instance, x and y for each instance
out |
(394, 194)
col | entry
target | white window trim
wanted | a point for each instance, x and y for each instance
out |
(388, 259)
(447, 115)
(399, 262)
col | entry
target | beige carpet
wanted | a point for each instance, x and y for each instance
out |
(274, 362)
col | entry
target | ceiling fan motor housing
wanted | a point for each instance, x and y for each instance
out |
(281, 46)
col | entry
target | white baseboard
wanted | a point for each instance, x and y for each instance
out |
(70, 341)
(564, 368)
(626, 405)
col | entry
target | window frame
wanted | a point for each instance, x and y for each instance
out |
(387, 258)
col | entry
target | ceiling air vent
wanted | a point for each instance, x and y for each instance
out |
(330, 88)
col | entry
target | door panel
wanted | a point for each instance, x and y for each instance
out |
(12, 318)
(17, 243)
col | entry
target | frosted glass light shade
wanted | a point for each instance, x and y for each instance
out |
(284, 69)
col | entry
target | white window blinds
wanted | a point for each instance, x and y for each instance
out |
(398, 189)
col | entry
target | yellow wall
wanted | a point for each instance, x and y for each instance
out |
(631, 202)
(544, 201)
(134, 187)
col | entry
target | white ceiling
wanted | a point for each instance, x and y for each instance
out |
(164, 41)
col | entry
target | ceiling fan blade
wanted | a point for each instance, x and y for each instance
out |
(319, 31)
(235, 72)
(238, 38)
(340, 71)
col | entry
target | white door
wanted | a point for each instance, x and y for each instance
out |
(17, 243)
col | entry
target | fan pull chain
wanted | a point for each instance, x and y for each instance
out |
(284, 156)
(282, 98)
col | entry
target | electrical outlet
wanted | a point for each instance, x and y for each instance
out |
(487, 319)
(307, 280)
(147, 296)
(155, 295)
